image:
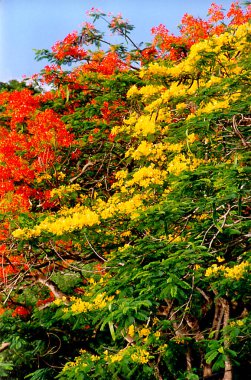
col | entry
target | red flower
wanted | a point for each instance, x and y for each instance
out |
(21, 311)
(111, 137)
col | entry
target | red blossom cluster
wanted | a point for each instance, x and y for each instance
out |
(46, 301)
(194, 29)
(69, 47)
(30, 139)
(10, 264)
(19, 105)
(21, 311)
(105, 64)
(52, 74)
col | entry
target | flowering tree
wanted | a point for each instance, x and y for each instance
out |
(125, 202)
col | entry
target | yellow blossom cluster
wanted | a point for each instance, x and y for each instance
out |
(60, 301)
(179, 340)
(61, 176)
(131, 330)
(43, 177)
(212, 106)
(146, 91)
(181, 163)
(132, 91)
(155, 69)
(237, 38)
(126, 233)
(147, 175)
(239, 323)
(174, 239)
(141, 356)
(154, 152)
(136, 354)
(202, 216)
(236, 272)
(95, 358)
(144, 126)
(62, 191)
(115, 357)
(78, 217)
(192, 137)
(115, 206)
(79, 306)
(144, 332)
(214, 269)
(76, 363)
(61, 225)
(187, 73)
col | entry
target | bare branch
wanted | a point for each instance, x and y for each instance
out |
(89, 163)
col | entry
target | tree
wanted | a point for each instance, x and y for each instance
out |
(125, 206)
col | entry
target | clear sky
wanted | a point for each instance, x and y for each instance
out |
(38, 24)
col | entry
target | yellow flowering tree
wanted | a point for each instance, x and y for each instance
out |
(145, 249)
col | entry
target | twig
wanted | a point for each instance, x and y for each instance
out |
(89, 163)
(238, 133)
(96, 253)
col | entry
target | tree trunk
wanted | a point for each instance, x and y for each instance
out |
(228, 375)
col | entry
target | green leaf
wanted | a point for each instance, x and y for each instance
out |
(173, 291)
(210, 356)
(221, 350)
(111, 327)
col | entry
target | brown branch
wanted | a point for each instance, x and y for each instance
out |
(89, 163)
(51, 285)
(4, 346)
(238, 133)
(218, 316)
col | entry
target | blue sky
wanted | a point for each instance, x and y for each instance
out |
(38, 24)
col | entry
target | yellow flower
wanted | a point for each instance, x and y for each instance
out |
(192, 137)
(144, 126)
(126, 233)
(144, 332)
(61, 176)
(45, 176)
(57, 226)
(239, 322)
(57, 301)
(19, 233)
(213, 270)
(131, 330)
(132, 91)
(237, 271)
(180, 163)
(62, 191)
(94, 358)
(157, 334)
(219, 259)
(116, 357)
(140, 356)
